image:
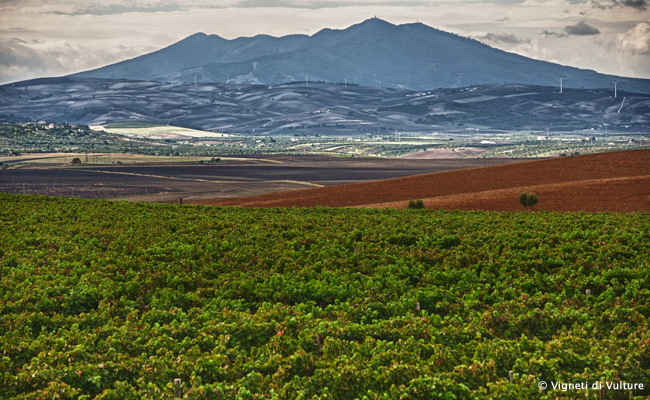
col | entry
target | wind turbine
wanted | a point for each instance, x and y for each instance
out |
(615, 82)
(561, 84)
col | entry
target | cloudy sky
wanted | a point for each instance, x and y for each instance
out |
(52, 37)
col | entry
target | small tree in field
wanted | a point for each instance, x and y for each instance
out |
(413, 204)
(531, 200)
(522, 200)
(528, 200)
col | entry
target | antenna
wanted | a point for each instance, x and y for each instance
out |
(307, 79)
(561, 84)
(615, 82)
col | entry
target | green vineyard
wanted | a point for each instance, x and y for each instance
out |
(115, 300)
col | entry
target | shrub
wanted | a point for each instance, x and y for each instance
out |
(522, 199)
(75, 160)
(531, 200)
(416, 204)
(528, 200)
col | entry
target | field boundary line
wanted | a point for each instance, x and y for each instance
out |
(196, 179)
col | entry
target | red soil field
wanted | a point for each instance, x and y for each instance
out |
(615, 182)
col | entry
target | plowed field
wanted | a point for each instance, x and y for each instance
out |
(616, 181)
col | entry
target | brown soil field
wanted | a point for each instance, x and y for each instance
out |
(615, 182)
(166, 182)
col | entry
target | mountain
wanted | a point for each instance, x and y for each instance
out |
(372, 53)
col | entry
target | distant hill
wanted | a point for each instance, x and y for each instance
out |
(372, 53)
(298, 108)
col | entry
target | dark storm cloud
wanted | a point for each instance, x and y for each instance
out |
(608, 5)
(581, 29)
(638, 4)
(503, 37)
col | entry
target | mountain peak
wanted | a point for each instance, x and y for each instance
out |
(374, 22)
(199, 37)
(373, 52)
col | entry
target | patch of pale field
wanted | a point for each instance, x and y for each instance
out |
(403, 142)
(445, 153)
(164, 132)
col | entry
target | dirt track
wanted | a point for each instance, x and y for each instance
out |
(617, 182)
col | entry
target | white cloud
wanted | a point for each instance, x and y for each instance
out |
(636, 40)
(20, 60)
(503, 37)
(77, 35)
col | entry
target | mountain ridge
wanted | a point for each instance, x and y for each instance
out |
(322, 108)
(371, 53)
